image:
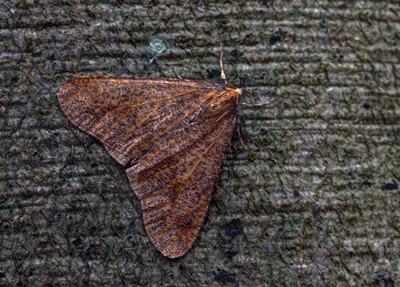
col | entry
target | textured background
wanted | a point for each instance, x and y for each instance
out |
(317, 206)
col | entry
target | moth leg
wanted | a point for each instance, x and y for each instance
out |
(255, 105)
(220, 62)
(240, 137)
(263, 104)
(176, 73)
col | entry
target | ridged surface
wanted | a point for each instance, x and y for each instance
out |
(317, 205)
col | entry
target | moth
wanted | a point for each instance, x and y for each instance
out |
(172, 134)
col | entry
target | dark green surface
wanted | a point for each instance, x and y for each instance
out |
(312, 208)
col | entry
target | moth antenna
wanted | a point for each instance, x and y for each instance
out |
(240, 137)
(173, 67)
(220, 62)
(263, 104)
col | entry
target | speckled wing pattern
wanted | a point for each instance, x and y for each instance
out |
(173, 133)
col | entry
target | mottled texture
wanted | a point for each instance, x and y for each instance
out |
(173, 132)
(313, 202)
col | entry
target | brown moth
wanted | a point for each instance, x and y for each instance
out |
(171, 133)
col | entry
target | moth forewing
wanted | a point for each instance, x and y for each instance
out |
(175, 159)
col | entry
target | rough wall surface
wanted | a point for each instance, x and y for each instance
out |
(318, 205)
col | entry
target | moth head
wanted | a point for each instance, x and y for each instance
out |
(224, 101)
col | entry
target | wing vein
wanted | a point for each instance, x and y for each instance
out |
(78, 93)
(129, 132)
(180, 235)
(166, 99)
(110, 111)
(92, 99)
(121, 119)
(167, 130)
(181, 185)
(177, 221)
